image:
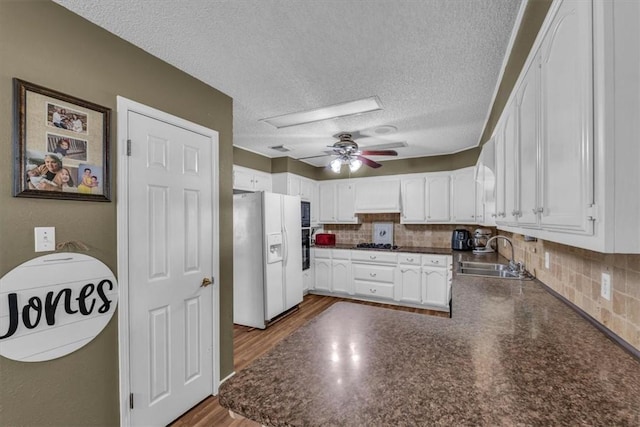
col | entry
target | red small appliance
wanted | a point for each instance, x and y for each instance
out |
(325, 239)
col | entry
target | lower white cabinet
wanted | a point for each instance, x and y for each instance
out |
(395, 278)
(409, 288)
(341, 276)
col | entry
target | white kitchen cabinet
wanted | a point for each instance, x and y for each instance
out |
(295, 185)
(308, 275)
(436, 280)
(486, 185)
(438, 206)
(463, 196)
(341, 281)
(436, 287)
(322, 270)
(376, 195)
(413, 200)
(250, 180)
(409, 287)
(510, 139)
(527, 159)
(567, 124)
(337, 203)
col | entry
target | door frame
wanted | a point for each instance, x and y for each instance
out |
(124, 106)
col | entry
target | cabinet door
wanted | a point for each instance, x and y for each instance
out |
(306, 189)
(293, 184)
(345, 203)
(413, 201)
(327, 202)
(313, 199)
(437, 206)
(436, 287)
(341, 276)
(322, 274)
(510, 140)
(242, 180)
(500, 171)
(567, 122)
(463, 194)
(479, 183)
(262, 182)
(528, 161)
(409, 284)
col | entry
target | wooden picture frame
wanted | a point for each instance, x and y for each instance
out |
(61, 145)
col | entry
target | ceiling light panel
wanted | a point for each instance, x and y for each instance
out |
(350, 108)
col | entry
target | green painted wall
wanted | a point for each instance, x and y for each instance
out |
(43, 43)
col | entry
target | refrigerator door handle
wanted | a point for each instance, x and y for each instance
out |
(285, 248)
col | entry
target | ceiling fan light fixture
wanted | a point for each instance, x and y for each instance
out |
(354, 164)
(336, 165)
(344, 109)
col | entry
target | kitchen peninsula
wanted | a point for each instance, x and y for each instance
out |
(511, 354)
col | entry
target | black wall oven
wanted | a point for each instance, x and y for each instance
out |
(306, 249)
(305, 214)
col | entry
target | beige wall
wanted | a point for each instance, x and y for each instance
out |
(576, 275)
(43, 43)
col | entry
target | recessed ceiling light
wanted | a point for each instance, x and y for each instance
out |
(383, 130)
(331, 112)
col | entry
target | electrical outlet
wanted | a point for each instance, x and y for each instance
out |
(45, 238)
(546, 260)
(605, 286)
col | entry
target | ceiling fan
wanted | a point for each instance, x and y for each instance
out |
(347, 152)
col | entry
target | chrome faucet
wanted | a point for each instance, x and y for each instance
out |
(512, 262)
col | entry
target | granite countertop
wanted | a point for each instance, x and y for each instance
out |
(512, 354)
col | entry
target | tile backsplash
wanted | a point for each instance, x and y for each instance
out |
(423, 235)
(573, 272)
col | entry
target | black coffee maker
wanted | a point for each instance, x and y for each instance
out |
(461, 240)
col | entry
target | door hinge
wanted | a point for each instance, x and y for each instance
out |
(130, 400)
(592, 212)
(128, 147)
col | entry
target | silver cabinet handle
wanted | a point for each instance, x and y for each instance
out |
(493, 215)
(372, 274)
(373, 291)
(410, 259)
(372, 256)
(435, 262)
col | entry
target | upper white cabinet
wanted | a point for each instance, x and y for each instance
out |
(567, 122)
(485, 185)
(375, 195)
(337, 203)
(250, 179)
(438, 206)
(413, 200)
(567, 143)
(463, 195)
(295, 185)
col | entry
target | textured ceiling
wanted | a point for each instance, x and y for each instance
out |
(434, 64)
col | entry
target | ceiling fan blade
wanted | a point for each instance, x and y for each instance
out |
(386, 145)
(379, 152)
(369, 162)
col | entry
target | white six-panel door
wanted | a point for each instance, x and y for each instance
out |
(170, 257)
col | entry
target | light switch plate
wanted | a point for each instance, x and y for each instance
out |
(45, 239)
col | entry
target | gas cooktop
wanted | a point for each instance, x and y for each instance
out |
(378, 246)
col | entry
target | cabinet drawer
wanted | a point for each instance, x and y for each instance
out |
(340, 253)
(379, 290)
(374, 257)
(373, 273)
(435, 260)
(322, 253)
(410, 259)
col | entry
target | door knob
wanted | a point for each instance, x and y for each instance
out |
(206, 282)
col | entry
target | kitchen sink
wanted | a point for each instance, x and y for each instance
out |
(490, 269)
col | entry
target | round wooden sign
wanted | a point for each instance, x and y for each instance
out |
(52, 305)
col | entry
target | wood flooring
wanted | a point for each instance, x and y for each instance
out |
(251, 343)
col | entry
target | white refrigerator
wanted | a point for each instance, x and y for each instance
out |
(267, 257)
